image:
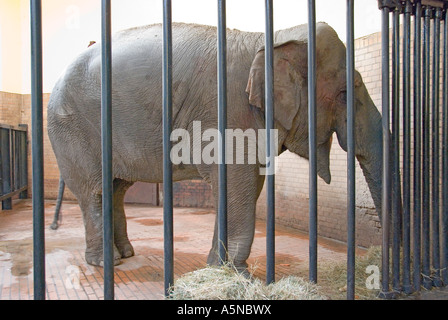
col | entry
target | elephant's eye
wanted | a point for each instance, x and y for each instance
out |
(343, 96)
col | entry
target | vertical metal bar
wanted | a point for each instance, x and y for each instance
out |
(435, 150)
(37, 150)
(427, 283)
(351, 188)
(24, 164)
(312, 140)
(21, 159)
(167, 165)
(417, 150)
(17, 160)
(445, 156)
(270, 145)
(1, 163)
(395, 150)
(106, 150)
(386, 137)
(12, 153)
(15, 151)
(407, 148)
(222, 125)
(6, 167)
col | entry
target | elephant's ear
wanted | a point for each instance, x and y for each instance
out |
(290, 73)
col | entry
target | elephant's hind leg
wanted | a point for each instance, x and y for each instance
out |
(91, 207)
(120, 226)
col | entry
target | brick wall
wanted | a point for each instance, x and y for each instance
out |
(190, 193)
(10, 108)
(193, 193)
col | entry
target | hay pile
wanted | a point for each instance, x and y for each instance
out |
(225, 283)
(333, 276)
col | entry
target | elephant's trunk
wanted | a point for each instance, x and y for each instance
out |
(372, 167)
(368, 149)
(369, 152)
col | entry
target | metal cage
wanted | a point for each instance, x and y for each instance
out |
(425, 202)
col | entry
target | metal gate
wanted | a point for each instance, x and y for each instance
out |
(13, 164)
(420, 222)
(425, 104)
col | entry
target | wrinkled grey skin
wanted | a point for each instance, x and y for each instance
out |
(74, 119)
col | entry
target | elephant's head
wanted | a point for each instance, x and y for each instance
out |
(291, 104)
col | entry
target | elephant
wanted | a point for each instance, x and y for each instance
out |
(74, 119)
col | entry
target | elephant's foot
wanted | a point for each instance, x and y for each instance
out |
(124, 248)
(96, 258)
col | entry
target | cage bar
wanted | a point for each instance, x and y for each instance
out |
(426, 95)
(106, 150)
(406, 226)
(312, 140)
(435, 155)
(417, 183)
(167, 79)
(386, 179)
(395, 149)
(444, 260)
(37, 150)
(351, 178)
(270, 144)
(222, 125)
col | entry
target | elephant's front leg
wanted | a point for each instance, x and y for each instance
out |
(242, 194)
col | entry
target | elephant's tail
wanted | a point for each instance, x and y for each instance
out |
(57, 213)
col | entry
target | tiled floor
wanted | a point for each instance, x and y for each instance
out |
(68, 276)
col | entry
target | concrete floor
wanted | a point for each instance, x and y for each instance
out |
(138, 277)
(69, 277)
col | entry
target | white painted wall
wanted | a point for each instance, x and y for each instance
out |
(69, 26)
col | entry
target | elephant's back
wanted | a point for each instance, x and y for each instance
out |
(137, 65)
